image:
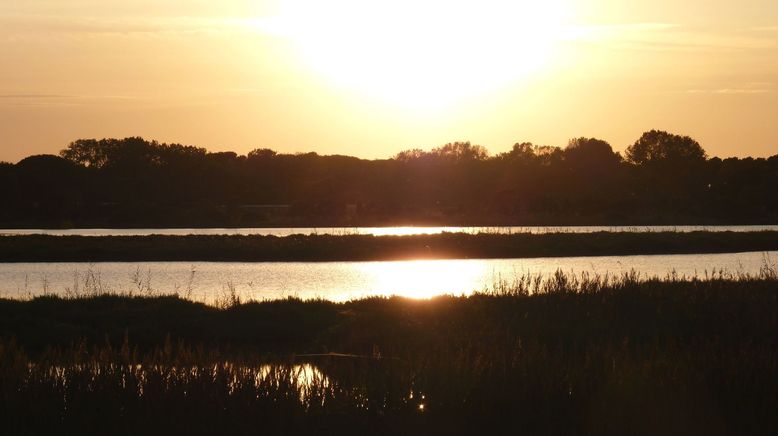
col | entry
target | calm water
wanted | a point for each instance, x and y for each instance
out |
(207, 281)
(378, 231)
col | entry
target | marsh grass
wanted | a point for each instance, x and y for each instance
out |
(584, 354)
(345, 247)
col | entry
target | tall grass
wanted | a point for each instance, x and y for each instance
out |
(323, 247)
(568, 355)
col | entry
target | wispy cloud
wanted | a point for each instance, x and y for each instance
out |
(33, 96)
(725, 91)
(29, 96)
(654, 36)
(59, 100)
(672, 37)
(149, 26)
(752, 88)
(598, 31)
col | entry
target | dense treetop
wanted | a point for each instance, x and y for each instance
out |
(657, 147)
(662, 178)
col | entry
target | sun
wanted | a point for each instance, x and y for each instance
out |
(422, 53)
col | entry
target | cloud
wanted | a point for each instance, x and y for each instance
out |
(59, 100)
(21, 96)
(724, 91)
(672, 37)
(751, 88)
(604, 30)
(32, 96)
(141, 26)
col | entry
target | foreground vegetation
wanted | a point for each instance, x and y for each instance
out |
(571, 355)
(43, 248)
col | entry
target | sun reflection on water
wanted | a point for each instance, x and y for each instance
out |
(306, 377)
(409, 230)
(423, 278)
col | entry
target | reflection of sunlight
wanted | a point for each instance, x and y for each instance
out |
(407, 231)
(424, 278)
(305, 377)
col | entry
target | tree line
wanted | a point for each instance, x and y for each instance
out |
(662, 178)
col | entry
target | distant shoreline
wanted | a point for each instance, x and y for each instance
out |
(324, 248)
(377, 225)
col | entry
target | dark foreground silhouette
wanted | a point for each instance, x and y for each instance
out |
(43, 248)
(579, 356)
(661, 179)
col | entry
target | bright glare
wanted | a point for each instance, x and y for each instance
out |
(305, 377)
(407, 231)
(422, 53)
(423, 278)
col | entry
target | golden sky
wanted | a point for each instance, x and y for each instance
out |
(372, 77)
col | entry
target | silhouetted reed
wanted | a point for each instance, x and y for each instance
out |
(581, 354)
(313, 247)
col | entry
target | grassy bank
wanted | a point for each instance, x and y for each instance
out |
(580, 356)
(40, 248)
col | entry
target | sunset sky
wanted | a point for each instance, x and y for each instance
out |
(373, 77)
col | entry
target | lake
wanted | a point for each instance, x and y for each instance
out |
(380, 231)
(339, 281)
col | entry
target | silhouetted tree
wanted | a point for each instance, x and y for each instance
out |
(590, 152)
(524, 151)
(548, 154)
(261, 153)
(87, 152)
(49, 187)
(461, 151)
(594, 175)
(659, 146)
(409, 155)
(134, 182)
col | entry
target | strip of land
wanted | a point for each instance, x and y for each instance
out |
(322, 248)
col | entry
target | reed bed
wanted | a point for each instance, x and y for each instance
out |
(568, 355)
(320, 248)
